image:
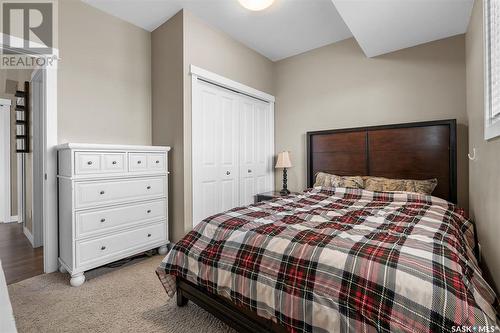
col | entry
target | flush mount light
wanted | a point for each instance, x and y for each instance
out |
(256, 5)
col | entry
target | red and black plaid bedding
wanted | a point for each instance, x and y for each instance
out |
(341, 260)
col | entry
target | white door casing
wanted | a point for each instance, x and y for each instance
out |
(48, 157)
(233, 132)
(38, 110)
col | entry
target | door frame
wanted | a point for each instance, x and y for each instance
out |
(37, 176)
(49, 181)
(5, 180)
(198, 73)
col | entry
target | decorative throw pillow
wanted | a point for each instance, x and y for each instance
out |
(328, 180)
(405, 185)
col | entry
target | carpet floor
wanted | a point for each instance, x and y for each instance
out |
(125, 299)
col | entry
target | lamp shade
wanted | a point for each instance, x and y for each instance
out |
(284, 160)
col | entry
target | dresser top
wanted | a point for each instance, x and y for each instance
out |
(92, 146)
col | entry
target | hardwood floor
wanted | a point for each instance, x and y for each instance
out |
(20, 260)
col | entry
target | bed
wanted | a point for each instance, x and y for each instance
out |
(343, 259)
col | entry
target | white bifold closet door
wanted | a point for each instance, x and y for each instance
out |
(254, 149)
(232, 152)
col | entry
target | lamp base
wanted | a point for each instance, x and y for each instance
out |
(284, 192)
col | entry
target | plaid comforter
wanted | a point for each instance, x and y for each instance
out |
(341, 260)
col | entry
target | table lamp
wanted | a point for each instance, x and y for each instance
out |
(284, 162)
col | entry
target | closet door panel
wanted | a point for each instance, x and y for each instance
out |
(229, 149)
(215, 152)
(247, 150)
(255, 149)
(209, 175)
(262, 153)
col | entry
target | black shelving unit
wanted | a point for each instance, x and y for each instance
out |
(23, 119)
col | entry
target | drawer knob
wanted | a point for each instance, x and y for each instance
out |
(114, 162)
(249, 170)
(103, 220)
(139, 162)
(102, 192)
(89, 162)
(103, 248)
(228, 173)
(157, 162)
(149, 235)
(149, 211)
(149, 187)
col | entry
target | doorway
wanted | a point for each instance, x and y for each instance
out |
(20, 253)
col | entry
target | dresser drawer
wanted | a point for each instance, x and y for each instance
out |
(113, 163)
(138, 162)
(86, 163)
(99, 193)
(99, 221)
(157, 162)
(95, 163)
(91, 252)
(147, 162)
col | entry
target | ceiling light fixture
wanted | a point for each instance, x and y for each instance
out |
(256, 5)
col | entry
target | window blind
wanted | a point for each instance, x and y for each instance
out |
(493, 27)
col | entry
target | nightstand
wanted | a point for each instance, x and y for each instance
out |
(271, 195)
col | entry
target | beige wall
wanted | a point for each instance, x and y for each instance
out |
(168, 109)
(104, 78)
(484, 179)
(337, 86)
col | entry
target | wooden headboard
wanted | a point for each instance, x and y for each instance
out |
(405, 151)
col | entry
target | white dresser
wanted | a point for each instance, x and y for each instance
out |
(112, 204)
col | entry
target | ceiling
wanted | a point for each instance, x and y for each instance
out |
(383, 26)
(291, 27)
(287, 28)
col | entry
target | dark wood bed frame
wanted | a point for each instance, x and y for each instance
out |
(406, 151)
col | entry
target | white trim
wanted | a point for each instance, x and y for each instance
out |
(28, 235)
(37, 170)
(13, 219)
(230, 84)
(491, 126)
(5, 188)
(50, 213)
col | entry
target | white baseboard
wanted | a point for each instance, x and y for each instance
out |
(12, 219)
(28, 235)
